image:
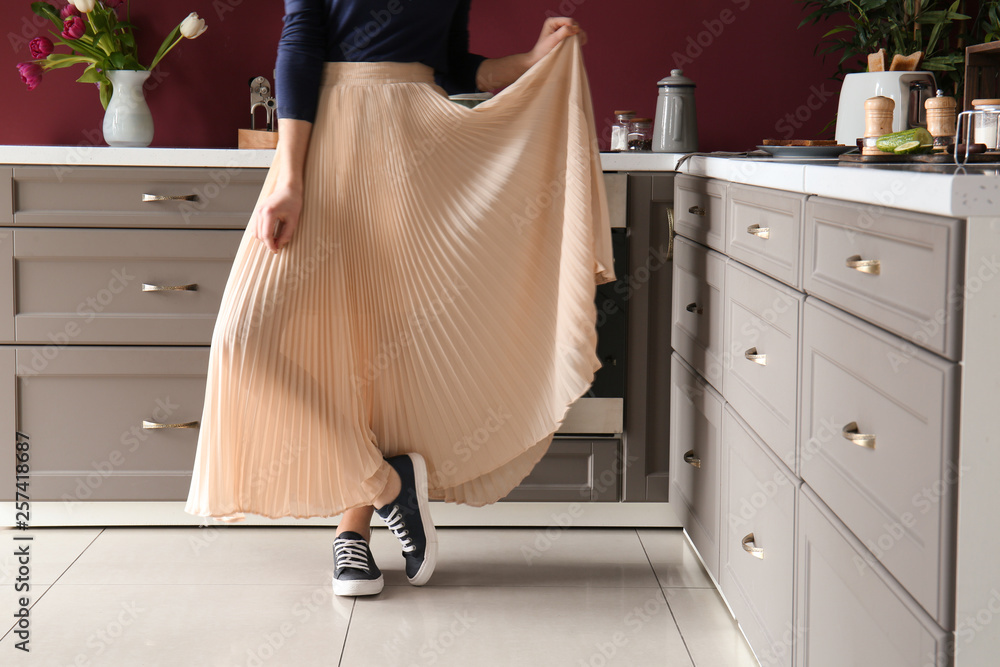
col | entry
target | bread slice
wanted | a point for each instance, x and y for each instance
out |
(877, 61)
(910, 63)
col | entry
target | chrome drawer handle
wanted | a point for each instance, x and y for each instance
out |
(149, 197)
(752, 355)
(751, 548)
(193, 287)
(152, 425)
(759, 232)
(850, 432)
(694, 308)
(697, 210)
(872, 266)
(691, 459)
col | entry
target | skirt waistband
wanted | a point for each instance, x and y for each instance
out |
(369, 74)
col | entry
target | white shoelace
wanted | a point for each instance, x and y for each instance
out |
(350, 553)
(395, 523)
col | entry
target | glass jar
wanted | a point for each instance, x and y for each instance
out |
(988, 113)
(640, 134)
(619, 130)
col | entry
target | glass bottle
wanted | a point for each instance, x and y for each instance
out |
(619, 130)
(640, 134)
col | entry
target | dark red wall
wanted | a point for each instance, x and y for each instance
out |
(756, 73)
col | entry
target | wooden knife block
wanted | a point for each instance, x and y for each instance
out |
(257, 139)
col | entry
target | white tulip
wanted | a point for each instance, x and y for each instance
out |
(192, 26)
(85, 6)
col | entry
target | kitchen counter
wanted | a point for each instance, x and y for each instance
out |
(940, 189)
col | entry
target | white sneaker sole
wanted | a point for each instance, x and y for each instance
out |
(423, 575)
(352, 588)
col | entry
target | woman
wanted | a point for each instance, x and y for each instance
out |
(411, 308)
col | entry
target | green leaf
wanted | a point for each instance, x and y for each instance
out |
(90, 75)
(47, 11)
(106, 92)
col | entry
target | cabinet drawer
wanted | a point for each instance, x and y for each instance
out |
(916, 291)
(696, 331)
(114, 196)
(574, 470)
(695, 476)
(758, 512)
(86, 285)
(6, 195)
(896, 493)
(84, 410)
(762, 361)
(764, 230)
(700, 210)
(850, 610)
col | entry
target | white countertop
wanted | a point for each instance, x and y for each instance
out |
(974, 193)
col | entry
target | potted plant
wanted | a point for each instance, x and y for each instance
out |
(101, 39)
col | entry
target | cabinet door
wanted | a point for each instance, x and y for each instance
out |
(898, 269)
(6, 196)
(697, 317)
(879, 447)
(700, 210)
(108, 423)
(6, 285)
(758, 544)
(120, 286)
(695, 438)
(185, 198)
(575, 470)
(764, 230)
(850, 610)
(762, 362)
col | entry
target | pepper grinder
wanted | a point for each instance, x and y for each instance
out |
(878, 121)
(941, 115)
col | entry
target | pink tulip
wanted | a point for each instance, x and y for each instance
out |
(31, 74)
(67, 11)
(73, 28)
(40, 47)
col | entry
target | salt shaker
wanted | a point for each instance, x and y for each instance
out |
(941, 115)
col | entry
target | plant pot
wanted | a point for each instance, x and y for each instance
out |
(128, 121)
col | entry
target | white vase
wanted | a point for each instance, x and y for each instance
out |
(127, 121)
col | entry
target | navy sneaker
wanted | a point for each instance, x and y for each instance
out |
(409, 518)
(356, 572)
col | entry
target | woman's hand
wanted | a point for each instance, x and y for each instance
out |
(499, 72)
(284, 206)
(555, 30)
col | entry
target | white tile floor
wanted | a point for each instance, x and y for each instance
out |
(255, 597)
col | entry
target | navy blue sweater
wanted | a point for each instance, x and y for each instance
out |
(433, 32)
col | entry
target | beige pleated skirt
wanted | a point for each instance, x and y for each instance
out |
(437, 297)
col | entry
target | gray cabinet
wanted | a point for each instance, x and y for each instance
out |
(698, 302)
(116, 275)
(851, 611)
(118, 286)
(764, 230)
(840, 443)
(762, 362)
(879, 447)
(758, 541)
(695, 477)
(700, 207)
(899, 270)
(105, 423)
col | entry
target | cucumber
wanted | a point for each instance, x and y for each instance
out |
(890, 142)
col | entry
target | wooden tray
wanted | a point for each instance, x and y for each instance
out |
(927, 158)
